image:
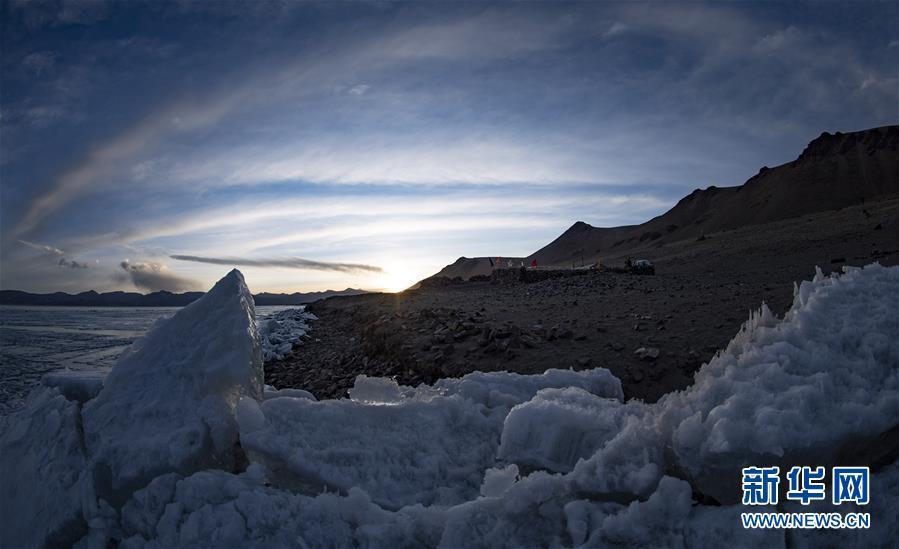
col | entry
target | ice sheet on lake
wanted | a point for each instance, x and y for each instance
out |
(498, 460)
(35, 341)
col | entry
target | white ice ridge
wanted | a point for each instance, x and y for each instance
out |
(487, 460)
(281, 331)
(401, 445)
(169, 402)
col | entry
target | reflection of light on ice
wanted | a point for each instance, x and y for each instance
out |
(489, 459)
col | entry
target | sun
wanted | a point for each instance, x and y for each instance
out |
(395, 281)
(399, 273)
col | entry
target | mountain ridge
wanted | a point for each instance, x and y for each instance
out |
(160, 298)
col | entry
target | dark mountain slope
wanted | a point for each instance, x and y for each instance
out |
(834, 171)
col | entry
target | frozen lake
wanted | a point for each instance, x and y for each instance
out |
(37, 340)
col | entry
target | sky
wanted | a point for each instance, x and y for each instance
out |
(148, 146)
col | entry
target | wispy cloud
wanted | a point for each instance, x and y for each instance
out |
(293, 225)
(39, 62)
(104, 160)
(614, 29)
(429, 157)
(485, 35)
(43, 247)
(56, 252)
(490, 34)
(58, 13)
(290, 263)
(156, 276)
(359, 89)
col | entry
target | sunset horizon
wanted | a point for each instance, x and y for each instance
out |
(324, 146)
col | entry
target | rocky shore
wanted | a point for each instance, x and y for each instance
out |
(651, 332)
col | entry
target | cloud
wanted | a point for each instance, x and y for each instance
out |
(359, 89)
(44, 115)
(253, 222)
(53, 250)
(39, 62)
(416, 147)
(616, 28)
(56, 13)
(98, 167)
(490, 34)
(290, 263)
(42, 247)
(156, 276)
(63, 262)
(105, 159)
(780, 40)
(420, 158)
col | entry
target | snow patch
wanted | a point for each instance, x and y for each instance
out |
(505, 389)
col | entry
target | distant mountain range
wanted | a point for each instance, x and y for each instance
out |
(834, 171)
(154, 299)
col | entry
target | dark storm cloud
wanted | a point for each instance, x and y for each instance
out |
(72, 264)
(155, 276)
(290, 263)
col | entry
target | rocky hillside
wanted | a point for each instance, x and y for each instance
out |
(834, 171)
